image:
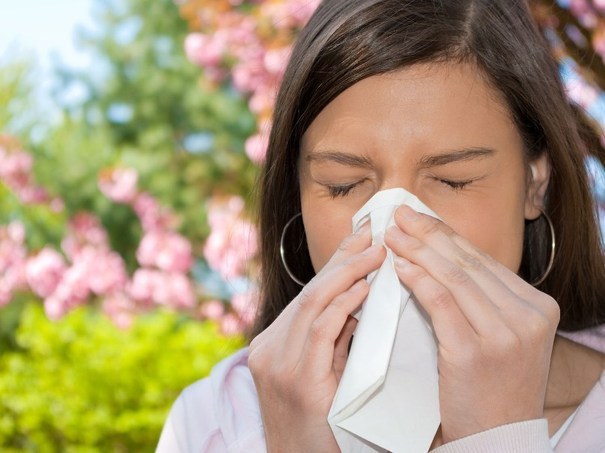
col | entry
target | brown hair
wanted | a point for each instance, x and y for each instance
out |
(346, 41)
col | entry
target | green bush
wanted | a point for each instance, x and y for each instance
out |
(81, 384)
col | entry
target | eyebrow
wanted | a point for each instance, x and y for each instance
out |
(456, 155)
(435, 160)
(352, 160)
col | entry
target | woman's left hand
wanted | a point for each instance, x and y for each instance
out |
(495, 331)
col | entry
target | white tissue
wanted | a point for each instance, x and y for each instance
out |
(388, 396)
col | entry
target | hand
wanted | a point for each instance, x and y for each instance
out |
(495, 331)
(297, 362)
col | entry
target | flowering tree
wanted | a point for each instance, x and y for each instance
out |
(101, 232)
(86, 269)
(246, 44)
(242, 47)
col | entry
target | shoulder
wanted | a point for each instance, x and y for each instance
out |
(220, 411)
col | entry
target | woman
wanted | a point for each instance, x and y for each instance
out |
(458, 102)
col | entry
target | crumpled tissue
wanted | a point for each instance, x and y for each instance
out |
(388, 396)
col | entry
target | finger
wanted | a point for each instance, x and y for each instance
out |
(443, 240)
(451, 326)
(506, 289)
(516, 284)
(480, 311)
(341, 347)
(351, 245)
(320, 348)
(296, 320)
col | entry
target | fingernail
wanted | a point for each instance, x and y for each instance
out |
(408, 213)
(365, 226)
(358, 286)
(372, 249)
(401, 263)
(393, 231)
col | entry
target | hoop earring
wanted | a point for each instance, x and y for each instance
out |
(282, 250)
(553, 245)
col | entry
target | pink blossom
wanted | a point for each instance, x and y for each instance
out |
(13, 256)
(599, 4)
(106, 270)
(32, 195)
(44, 271)
(213, 309)
(248, 75)
(15, 231)
(15, 171)
(57, 205)
(5, 294)
(584, 12)
(55, 308)
(150, 213)
(119, 185)
(230, 324)
(71, 292)
(84, 229)
(183, 294)
(73, 289)
(142, 286)
(120, 308)
(171, 289)
(15, 166)
(165, 250)
(580, 91)
(290, 13)
(256, 147)
(262, 99)
(205, 50)
(276, 60)
(246, 306)
(232, 241)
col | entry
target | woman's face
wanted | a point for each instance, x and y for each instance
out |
(437, 130)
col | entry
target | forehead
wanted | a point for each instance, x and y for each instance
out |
(431, 106)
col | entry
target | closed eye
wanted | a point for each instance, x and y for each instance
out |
(456, 185)
(341, 190)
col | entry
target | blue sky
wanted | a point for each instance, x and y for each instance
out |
(44, 31)
(43, 27)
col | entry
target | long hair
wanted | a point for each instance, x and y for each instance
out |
(346, 41)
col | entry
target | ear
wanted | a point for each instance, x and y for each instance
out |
(537, 185)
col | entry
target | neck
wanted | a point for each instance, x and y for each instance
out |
(574, 370)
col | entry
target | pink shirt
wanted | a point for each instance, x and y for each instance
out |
(221, 414)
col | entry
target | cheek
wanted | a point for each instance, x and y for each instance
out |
(496, 231)
(325, 229)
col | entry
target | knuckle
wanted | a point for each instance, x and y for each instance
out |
(456, 275)
(306, 297)
(414, 274)
(413, 245)
(552, 309)
(317, 332)
(538, 325)
(468, 261)
(337, 308)
(430, 226)
(508, 343)
(441, 298)
(256, 361)
(470, 355)
(348, 242)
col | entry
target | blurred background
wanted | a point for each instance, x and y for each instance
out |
(131, 135)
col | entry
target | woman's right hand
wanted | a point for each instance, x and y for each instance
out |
(297, 362)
